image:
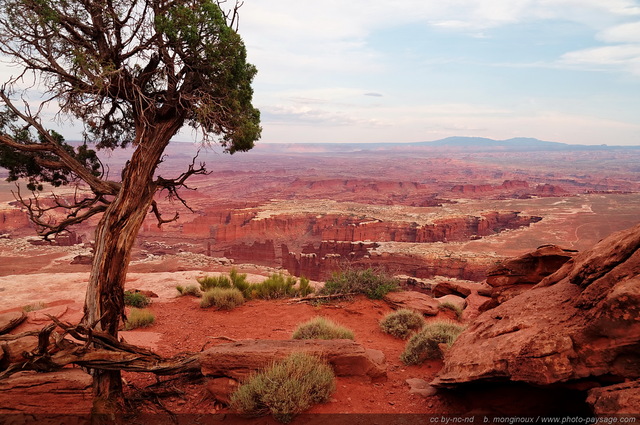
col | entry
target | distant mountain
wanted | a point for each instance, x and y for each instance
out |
(450, 144)
(514, 144)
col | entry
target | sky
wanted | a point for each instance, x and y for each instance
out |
(420, 70)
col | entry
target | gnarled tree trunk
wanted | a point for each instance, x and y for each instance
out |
(114, 239)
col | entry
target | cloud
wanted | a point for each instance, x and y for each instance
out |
(373, 94)
(623, 56)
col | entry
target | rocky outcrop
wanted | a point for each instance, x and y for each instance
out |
(31, 392)
(414, 301)
(11, 320)
(617, 399)
(238, 360)
(516, 275)
(578, 325)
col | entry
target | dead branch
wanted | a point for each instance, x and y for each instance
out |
(156, 212)
(96, 350)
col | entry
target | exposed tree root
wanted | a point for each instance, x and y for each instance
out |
(95, 350)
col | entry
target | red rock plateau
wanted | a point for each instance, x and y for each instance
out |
(416, 211)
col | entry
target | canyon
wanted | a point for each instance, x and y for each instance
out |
(417, 211)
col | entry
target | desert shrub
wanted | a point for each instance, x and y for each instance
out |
(192, 290)
(33, 307)
(139, 318)
(275, 286)
(136, 299)
(322, 328)
(448, 305)
(425, 344)
(375, 284)
(286, 388)
(280, 286)
(210, 282)
(402, 322)
(304, 287)
(223, 298)
(239, 281)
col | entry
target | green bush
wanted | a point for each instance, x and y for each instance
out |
(139, 318)
(304, 287)
(322, 328)
(280, 286)
(192, 290)
(275, 286)
(375, 284)
(136, 299)
(223, 298)
(425, 344)
(210, 282)
(286, 388)
(402, 322)
(448, 305)
(240, 282)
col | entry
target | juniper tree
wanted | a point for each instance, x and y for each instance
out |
(133, 73)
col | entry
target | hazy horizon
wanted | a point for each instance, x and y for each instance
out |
(414, 71)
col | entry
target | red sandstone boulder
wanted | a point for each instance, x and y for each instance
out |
(414, 301)
(581, 323)
(66, 392)
(617, 399)
(529, 268)
(11, 320)
(238, 360)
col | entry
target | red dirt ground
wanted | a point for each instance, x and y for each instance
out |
(184, 326)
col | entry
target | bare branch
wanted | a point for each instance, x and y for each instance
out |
(156, 212)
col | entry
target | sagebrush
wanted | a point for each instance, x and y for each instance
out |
(222, 298)
(374, 283)
(322, 328)
(287, 388)
(191, 290)
(139, 318)
(136, 299)
(425, 344)
(402, 323)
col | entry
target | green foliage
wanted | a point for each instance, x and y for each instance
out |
(286, 388)
(38, 167)
(239, 281)
(139, 318)
(278, 285)
(275, 286)
(191, 290)
(210, 282)
(322, 328)
(375, 284)
(426, 343)
(222, 298)
(136, 299)
(304, 287)
(402, 322)
(215, 52)
(448, 305)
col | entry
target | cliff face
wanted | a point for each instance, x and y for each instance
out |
(579, 325)
(13, 219)
(333, 227)
(315, 245)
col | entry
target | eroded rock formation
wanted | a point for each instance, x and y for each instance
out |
(578, 325)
